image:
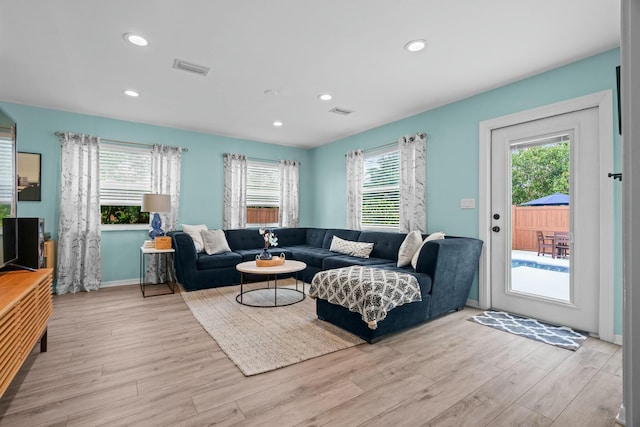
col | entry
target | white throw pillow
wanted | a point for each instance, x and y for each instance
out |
(348, 247)
(215, 242)
(194, 232)
(408, 248)
(433, 236)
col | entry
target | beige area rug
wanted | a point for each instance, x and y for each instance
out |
(259, 339)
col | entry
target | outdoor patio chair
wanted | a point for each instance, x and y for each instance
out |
(545, 244)
(561, 244)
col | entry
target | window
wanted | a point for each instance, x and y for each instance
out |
(125, 174)
(6, 177)
(381, 190)
(263, 194)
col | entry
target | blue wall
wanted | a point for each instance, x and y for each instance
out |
(452, 162)
(452, 151)
(201, 181)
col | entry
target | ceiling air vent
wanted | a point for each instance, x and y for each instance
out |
(192, 68)
(341, 111)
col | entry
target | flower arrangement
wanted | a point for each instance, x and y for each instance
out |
(270, 239)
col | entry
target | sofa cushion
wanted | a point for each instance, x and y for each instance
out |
(339, 261)
(194, 231)
(408, 248)
(248, 238)
(311, 255)
(385, 244)
(227, 259)
(433, 236)
(290, 236)
(343, 234)
(315, 237)
(215, 242)
(424, 280)
(250, 254)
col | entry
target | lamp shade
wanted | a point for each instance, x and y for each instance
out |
(156, 203)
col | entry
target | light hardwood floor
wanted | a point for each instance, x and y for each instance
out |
(117, 359)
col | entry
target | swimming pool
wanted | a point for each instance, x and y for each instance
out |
(522, 263)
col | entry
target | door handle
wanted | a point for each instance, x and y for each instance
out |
(496, 228)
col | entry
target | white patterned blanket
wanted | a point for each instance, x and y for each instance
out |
(372, 292)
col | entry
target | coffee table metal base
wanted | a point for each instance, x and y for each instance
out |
(240, 297)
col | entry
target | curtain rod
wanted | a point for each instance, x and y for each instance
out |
(257, 159)
(184, 150)
(389, 144)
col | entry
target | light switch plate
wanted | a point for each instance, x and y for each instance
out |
(467, 203)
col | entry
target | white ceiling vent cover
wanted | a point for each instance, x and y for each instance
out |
(341, 111)
(192, 68)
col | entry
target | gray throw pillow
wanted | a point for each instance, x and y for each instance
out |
(215, 242)
(348, 247)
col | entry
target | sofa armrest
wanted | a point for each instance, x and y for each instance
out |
(452, 264)
(185, 257)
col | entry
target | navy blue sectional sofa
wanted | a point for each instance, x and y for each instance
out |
(445, 269)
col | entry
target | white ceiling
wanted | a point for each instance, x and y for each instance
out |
(70, 55)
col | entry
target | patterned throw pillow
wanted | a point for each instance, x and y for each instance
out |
(433, 236)
(194, 232)
(348, 247)
(215, 242)
(408, 248)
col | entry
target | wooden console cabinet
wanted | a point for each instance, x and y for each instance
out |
(25, 308)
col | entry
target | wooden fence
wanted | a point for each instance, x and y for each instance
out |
(266, 215)
(526, 220)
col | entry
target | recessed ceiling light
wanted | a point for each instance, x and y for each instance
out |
(131, 93)
(277, 123)
(136, 39)
(415, 45)
(325, 97)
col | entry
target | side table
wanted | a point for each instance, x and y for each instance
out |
(167, 254)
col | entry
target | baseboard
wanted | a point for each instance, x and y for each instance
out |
(124, 282)
(473, 303)
(617, 339)
(621, 417)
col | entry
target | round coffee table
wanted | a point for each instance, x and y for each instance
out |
(289, 266)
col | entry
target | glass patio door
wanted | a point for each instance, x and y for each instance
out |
(556, 279)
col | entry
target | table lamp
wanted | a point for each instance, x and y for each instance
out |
(156, 203)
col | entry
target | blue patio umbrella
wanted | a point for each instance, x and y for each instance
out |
(554, 199)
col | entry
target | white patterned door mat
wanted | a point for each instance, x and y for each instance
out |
(560, 336)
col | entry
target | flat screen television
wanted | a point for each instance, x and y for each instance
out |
(8, 190)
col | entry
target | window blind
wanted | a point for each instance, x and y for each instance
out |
(381, 190)
(6, 172)
(125, 174)
(263, 184)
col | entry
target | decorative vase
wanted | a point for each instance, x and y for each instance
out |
(265, 254)
(156, 227)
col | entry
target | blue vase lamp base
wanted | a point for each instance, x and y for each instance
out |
(156, 227)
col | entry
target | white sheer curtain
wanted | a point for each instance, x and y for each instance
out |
(289, 189)
(413, 209)
(165, 179)
(79, 261)
(235, 191)
(355, 177)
